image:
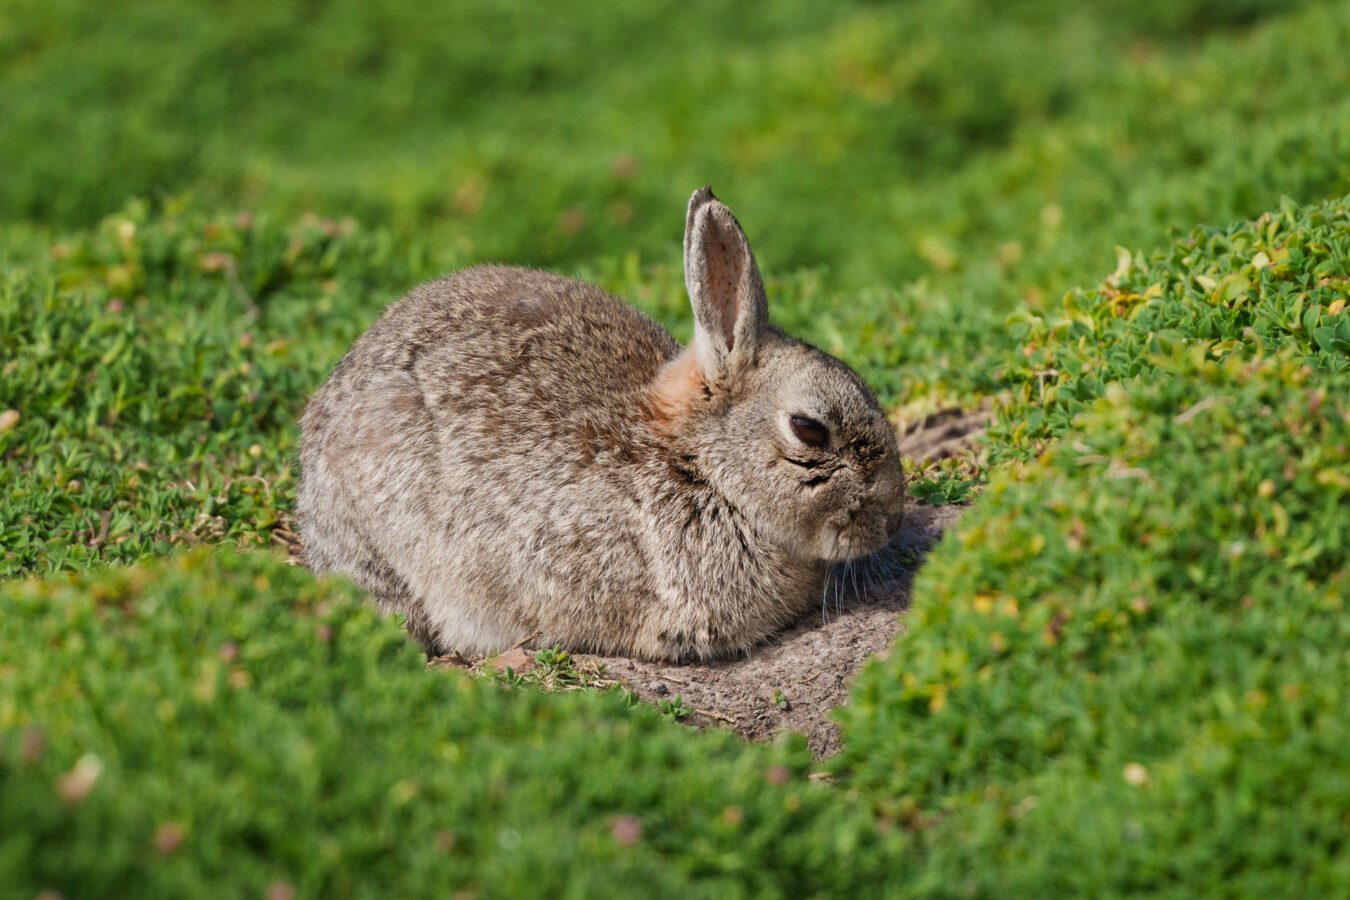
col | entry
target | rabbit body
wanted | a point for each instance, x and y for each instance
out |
(508, 453)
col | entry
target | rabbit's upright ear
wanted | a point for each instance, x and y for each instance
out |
(730, 308)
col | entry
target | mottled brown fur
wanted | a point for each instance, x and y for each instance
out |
(506, 452)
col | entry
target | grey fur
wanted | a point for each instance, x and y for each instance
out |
(506, 452)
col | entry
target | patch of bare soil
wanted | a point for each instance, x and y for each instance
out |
(943, 434)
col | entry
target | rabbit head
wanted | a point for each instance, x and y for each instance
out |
(786, 432)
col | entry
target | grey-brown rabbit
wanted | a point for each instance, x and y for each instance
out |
(508, 452)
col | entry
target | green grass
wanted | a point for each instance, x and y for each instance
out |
(158, 367)
(1137, 639)
(219, 724)
(1276, 284)
(1136, 642)
(1125, 671)
(871, 140)
(1125, 674)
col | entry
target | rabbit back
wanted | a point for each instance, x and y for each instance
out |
(478, 462)
(509, 455)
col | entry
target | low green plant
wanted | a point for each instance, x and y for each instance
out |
(154, 371)
(555, 669)
(558, 661)
(952, 480)
(1125, 666)
(674, 709)
(221, 723)
(1278, 282)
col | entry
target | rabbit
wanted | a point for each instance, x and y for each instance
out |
(508, 453)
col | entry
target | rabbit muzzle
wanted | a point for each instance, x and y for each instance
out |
(858, 533)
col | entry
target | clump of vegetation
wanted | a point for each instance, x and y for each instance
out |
(944, 481)
(226, 722)
(154, 371)
(1137, 639)
(1278, 283)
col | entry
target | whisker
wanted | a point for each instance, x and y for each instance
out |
(824, 592)
(838, 573)
(872, 579)
(837, 591)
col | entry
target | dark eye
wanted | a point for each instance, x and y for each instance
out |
(809, 431)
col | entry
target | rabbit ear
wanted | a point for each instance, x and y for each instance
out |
(730, 308)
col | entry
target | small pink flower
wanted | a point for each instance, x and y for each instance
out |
(627, 830)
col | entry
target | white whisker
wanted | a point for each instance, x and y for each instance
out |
(824, 592)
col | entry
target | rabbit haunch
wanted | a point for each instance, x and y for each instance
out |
(507, 452)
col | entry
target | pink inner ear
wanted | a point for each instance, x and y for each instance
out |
(725, 263)
(677, 385)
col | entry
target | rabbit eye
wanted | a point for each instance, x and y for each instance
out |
(809, 431)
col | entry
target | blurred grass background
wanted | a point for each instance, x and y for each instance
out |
(876, 141)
